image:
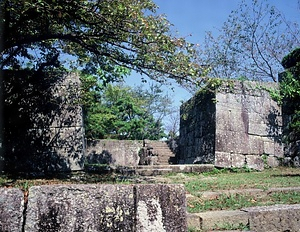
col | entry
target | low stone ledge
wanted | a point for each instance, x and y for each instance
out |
(106, 208)
(274, 218)
(214, 219)
(178, 168)
(11, 209)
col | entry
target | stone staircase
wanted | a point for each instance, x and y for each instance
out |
(161, 149)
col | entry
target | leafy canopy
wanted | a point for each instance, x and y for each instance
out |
(95, 36)
(122, 112)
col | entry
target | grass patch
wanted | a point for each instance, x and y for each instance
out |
(230, 226)
(228, 179)
(238, 201)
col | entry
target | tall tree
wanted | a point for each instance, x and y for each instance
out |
(251, 44)
(95, 36)
(115, 111)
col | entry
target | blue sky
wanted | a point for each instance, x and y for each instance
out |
(195, 17)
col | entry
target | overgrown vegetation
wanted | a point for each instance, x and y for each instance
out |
(288, 94)
(122, 112)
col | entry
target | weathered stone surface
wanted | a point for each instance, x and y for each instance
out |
(161, 208)
(238, 119)
(11, 209)
(197, 129)
(255, 162)
(214, 219)
(272, 161)
(80, 208)
(106, 208)
(238, 160)
(274, 218)
(223, 160)
(114, 152)
(44, 122)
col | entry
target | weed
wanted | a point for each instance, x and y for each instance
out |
(192, 229)
(230, 226)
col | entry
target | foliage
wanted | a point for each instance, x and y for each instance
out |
(96, 37)
(291, 59)
(252, 43)
(121, 112)
(290, 92)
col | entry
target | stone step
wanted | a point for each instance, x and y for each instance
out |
(164, 158)
(215, 219)
(153, 171)
(258, 219)
(178, 168)
(162, 150)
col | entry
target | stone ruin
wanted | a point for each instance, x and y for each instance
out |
(236, 125)
(42, 123)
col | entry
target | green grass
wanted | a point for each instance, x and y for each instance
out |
(238, 201)
(218, 180)
(225, 180)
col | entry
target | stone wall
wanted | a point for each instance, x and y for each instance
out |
(43, 126)
(197, 130)
(113, 152)
(235, 126)
(112, 208)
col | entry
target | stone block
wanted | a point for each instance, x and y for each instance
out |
(160, 208)
(256, 145)
(229, 117)
(232, 141)
(106, 208)
(202, 168)
(258, 128)
(255, 162)
(274, 218)
(80, 208)
(278, 149)
(273, 161)
(215, 219)
(114, 152)
(11, 209)
(269, 147)
(238, 160)
(223, 160)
